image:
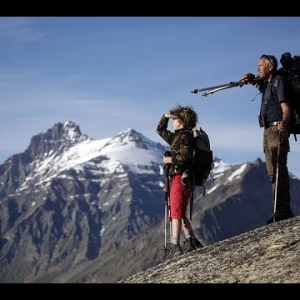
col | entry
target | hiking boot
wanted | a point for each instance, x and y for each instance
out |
(191, 244)
(173, 251)
(196, 243)
(281, 215)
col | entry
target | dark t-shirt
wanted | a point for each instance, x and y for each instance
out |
(270, 106)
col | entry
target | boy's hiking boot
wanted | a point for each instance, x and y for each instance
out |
(173, 251)
(191, 244)
(281, 214)
(196, 243)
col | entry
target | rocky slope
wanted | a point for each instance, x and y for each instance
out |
(269, 254)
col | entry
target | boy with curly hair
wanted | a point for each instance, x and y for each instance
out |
(181, 144)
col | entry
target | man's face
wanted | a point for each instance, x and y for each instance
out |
(264, 68)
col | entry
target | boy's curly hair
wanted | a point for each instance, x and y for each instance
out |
(186, 115)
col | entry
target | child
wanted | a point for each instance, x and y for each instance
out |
(181, 143)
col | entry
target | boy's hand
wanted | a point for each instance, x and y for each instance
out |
(167, 115)
(167, 160)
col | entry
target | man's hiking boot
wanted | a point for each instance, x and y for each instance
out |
(173, 251)
(281, 215)
(191, 244)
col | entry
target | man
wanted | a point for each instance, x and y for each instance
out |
(181, 142)
(274, 117)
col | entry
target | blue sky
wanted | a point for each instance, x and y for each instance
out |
(108, 74)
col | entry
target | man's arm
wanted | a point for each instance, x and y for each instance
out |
(286, 113)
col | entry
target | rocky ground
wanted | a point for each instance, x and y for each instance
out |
(269, 254)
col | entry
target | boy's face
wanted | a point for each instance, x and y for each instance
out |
(176, 124)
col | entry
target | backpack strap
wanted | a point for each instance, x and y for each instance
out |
(274, 83)
(190, 166)
(191, 174)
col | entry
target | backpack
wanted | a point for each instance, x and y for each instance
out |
(291, 72)
(202, 157)
(202, 163)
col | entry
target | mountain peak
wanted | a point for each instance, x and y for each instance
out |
(59, 137)
(130, 136)
(67, 130)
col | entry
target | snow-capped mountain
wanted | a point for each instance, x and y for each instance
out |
(76, 209)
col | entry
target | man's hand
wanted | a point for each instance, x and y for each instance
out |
(247, 78)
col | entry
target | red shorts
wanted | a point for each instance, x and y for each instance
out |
(179, 197)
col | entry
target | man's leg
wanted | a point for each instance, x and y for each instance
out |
(280, 189)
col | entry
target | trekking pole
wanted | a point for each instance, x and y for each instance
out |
(212, 89)
(216, 88)
(167, 203)
(277, 176)
(192, 196)
(191, 203)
